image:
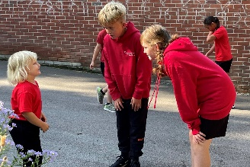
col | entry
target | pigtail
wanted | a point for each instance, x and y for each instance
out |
(159, 70)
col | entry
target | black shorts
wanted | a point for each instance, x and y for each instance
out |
(214, 128)
(102, 67)
(225, 65)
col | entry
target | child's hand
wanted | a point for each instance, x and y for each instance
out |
(43, 118)
(118, 104)
(92, 64)
(136, 104)
(45, 127)
(199, 138)
(210, 33)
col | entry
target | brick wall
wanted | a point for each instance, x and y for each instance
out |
(65, 30)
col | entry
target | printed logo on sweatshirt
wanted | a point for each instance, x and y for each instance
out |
(129, 53)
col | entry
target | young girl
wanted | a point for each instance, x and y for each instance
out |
(26, 103)
(218, 35)
(203, 102)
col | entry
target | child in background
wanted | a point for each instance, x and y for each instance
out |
(101, 91)
(218, 35)
(128, 80)
(203, 102)
(26, 102)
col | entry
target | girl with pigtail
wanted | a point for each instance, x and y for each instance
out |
(203, 102)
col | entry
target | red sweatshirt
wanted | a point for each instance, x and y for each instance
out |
(127, 68)
(201, 87)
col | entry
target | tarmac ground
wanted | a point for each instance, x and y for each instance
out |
(84, 135)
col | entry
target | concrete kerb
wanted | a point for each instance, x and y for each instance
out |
(58, 64)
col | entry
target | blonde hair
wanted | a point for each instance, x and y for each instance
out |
(18, 64)
(156, 34)
(111, 13)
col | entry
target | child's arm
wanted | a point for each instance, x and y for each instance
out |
(97, 50)
(210, 37)
(32, 118)
(43, 118)
(210, 50)
(113, 89)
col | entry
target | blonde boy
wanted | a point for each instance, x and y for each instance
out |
(128, 81)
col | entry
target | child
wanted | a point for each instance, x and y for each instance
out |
(203, 101)
(128, 81)
(218, 35)
(101, 91)
(26, 103)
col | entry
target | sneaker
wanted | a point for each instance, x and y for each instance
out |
(109, 107)
(100, 96)
(135, 163)
(233, 107)
(121, 162)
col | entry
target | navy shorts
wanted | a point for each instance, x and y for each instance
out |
(225, 65)
(214, 128)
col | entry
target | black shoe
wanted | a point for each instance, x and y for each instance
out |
(135, 163)
(121, 162)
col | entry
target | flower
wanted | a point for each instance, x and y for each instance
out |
(4, 161)
(5, 115)
(3, 139)
(31, 156)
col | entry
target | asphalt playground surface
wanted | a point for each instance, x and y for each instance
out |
(84, 135)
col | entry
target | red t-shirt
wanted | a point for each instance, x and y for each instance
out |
(100, 39)
(26, 97)
(222, 46)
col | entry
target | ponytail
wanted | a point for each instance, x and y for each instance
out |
(211, 19)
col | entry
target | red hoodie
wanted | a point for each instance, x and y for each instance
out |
(201, 87)
(127, 68)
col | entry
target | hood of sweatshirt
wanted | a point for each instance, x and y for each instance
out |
(129, 32)
(181, 44)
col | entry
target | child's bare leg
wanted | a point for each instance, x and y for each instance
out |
(200, 156)
(109, 98)
(105, 89)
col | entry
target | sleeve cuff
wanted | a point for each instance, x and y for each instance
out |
(195, 131)
(137, 95)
